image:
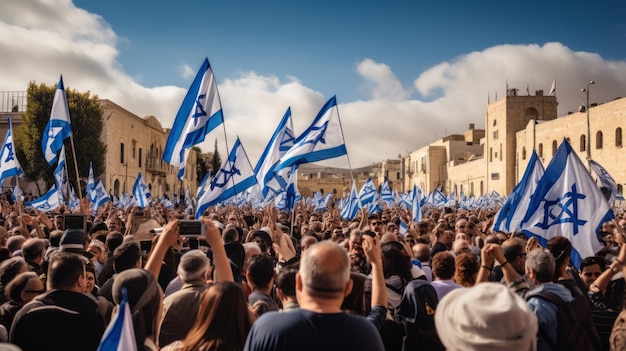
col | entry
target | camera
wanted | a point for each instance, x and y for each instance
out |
(72, 221)
(190, 228)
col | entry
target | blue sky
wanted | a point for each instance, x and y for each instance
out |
(404, 72)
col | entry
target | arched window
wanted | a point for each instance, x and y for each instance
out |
(490, 154)
(618, 137)
(620, 188)
(599, 140)
(540, 150)
(531, 112)
(472, 188)
(482, 190)
(583, 143)
(500, 152)
(116, 188)
(523, 154)
(553, 147)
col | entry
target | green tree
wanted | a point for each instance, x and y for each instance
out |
(201, 167)
(87, 124)
(216, 161)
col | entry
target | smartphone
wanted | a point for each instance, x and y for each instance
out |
(190, 228)
(74, 221)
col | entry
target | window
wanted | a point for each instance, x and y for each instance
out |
(140, 157)
(494, 122)
(397, 175)
(490, 154)
(540, 150)
(121, 152)
(495, 135)
(500, 152)
(523, 152)
(554, 147)
(599, 140)
(583, 143)
(618, 137)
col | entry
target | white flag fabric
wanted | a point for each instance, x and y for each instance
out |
(351, 205)
(367, 193)
(58, 128)
(272, 183)
(47, 202)
(567, 202)
(235, 176)
(510, 215)
(199, 114)
(386, 193)
(204, 185)
(606, 180)
(9, 165)
(553, 88)
(60, 177)
(101, 194)
(120, 333)
(91, 185)
(416, 208)
(322, 140)
(141, 193)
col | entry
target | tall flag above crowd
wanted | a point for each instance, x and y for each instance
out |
(9, 165)
(567, 202)
(58, 128)
(199, 114)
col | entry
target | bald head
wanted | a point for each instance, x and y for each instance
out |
(325, 269)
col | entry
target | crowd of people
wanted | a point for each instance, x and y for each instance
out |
(261, 279)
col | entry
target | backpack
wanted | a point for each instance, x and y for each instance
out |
(575, 328)
(413, 324)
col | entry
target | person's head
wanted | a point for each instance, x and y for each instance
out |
(514, 251)
(261, 270)
(230, 234)
(421, 252)
(540, 266)
(590, 269)
(461, 246)
(194, 265)
(15, 242)
(461, 226)
(466, 269)
(223, 319)
(24, 288)
(307, 241)
(488, 316)
(324, 273)
(395, 261)
(97, 249)
(560, 247)
(91, 278)
(127, 256)
(58, 222)
(446, 237)
(66, 271)
(113, 240)
(261, 238)
(144, 300)
(443, 265)
(114, 224)
(10, 268)
(55, 238)
(34, 250)
(286, 283)
(337, 235)
(376, 225)
(73, 240)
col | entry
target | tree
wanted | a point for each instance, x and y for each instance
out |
(87, 124)
(216, 161)
(201, 166)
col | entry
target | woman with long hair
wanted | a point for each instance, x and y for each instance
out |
(223, 321)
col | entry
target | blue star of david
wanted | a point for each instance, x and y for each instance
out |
(199, 110)
(319, 137)
(563, 210)
(287, 140)
(10, 155)
(225, 175)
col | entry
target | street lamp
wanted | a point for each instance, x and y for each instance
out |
(586, 91)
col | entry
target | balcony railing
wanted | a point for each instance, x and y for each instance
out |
(156, 165)
(12, 101)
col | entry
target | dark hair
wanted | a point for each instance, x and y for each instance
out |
(32, 248)
(230, 234)
(560, 247)
(354, 302)
(55, 237)
(396, 261)
(64, 270)
(10, 268)
(223, 320)
(286, 281)
(126, 256)
(443, 265)
(466, 269)
(261, 269)
(14, 289)
(113, 240)
(591, 260)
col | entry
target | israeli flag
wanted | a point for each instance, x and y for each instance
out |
(281, 141)
(235, 176)
(286, 199)
(323, 205)
(101, 194)
(60, 176)
(403, 228)
(351, 206)
(120, 333)
(606, 180)
(567, 202)
(47, 202)
(367, 192)
(204, 185)
(513, 210)
(322, 140)
(416, 209)
(17, 193)
(386, 194)
(9, 165)
(91, 185)
(58, 128)
(73, 203)
(141, 194)
(199, 114)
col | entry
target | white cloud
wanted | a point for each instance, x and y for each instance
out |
(46, 38)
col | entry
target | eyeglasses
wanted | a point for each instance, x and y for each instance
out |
(461, 226)
(377, 223)
(592, 274)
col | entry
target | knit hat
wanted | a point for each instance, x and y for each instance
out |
(72, 239)
(487, 316)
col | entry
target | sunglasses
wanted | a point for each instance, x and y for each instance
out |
(377, 223)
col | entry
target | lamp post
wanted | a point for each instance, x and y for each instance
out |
(586, 91)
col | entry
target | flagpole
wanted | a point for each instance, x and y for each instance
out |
(19, 201)
(80, 192)
(348, 157)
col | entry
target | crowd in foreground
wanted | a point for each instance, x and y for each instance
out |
(266, 280)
